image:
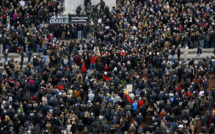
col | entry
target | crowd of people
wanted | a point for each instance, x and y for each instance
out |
(110, 75)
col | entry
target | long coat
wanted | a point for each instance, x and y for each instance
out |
(186, 50)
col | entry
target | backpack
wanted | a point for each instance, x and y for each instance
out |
(166, 53)
(207, 62)
(140, 130)
(78, 10)
(19, 112)
(133, 130)
(201, 103)
(44, 42)
(104, 122)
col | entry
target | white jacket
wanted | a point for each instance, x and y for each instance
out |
(186, 49)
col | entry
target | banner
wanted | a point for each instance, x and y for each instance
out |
(79, 18)
(68, 19)
(59, 19)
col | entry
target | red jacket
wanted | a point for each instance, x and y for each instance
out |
(188, 94)
(128, 99)
(105, 68)
(176, 89)
(50, 37)
(83, 68)
(199, 81)
(202, 24)
(93, 59)
(140, 103)
(35, 98)
(76, 59)
(106, 78)
(181, 28)
(60, 87)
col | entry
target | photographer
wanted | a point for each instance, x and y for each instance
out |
(78, 9)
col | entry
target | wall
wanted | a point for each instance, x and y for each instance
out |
(71, 5)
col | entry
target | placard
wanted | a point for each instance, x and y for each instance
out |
(129, 87)
(99, 20)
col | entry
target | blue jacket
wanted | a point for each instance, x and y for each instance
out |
(139, 119)
(134, 106)
(173, 126)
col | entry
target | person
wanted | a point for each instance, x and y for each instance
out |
(38, 42)
(93, 62)
(199, 52)
(166, 54)
(22, 55)
(11, 63)
(91, 96)
(80, 29)
(87, 3)
(202, 39)
(35, 61)
(71, 61)
(44, 43)
(26, 44)
(212, 37)
(78, 10)
(1, 43)
(214, 51)
(6, 42)
(186, 49)
(179, 52)
(88, 8)
(134, 108)
(80, 126)
(85, 30)
(6, 55)
(83, 67)
(22, 3)
(139, 119)
(102, 5)
(29, 55)
(173, 53)
(207, 40)
(45, 54)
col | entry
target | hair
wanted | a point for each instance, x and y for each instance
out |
(4, 72)
(86, 115)
(7, 118)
